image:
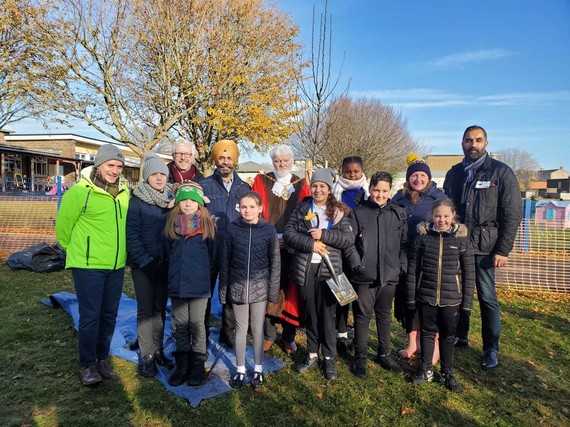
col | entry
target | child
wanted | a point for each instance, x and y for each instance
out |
(318, 227)
(191, 229)
(249, 278)
(351, 188)
(441, 281)
(376, 260)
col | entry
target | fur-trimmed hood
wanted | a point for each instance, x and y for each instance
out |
(457, 230)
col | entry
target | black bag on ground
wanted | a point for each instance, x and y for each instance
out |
(41, 258)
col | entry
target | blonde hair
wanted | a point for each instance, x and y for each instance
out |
(207, 222)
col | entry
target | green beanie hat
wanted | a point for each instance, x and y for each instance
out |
(190, 190)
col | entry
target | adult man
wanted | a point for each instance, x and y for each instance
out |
(182, 168)
(223, 189)
(487, 196)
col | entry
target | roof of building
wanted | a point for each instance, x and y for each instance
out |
(557, 203)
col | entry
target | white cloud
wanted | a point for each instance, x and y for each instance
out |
(430, 98)
(461, 59)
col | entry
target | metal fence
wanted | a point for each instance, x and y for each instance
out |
(540, 259)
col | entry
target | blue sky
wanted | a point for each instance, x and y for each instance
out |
(448, 64)
(501, 64)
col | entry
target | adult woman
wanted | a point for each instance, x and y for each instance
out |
(318, 227)
(90, 226)
(146, 220)
(416, 198)
(280, 191)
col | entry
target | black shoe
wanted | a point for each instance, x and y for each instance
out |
(489, 360)
(310, 362)
(105, 370)
(450, 383)
(181, 372)
(237, 381)
(461, 342)
(258, 379)
(386, 361)
(162, 360)
(343, 346)
(90, 376)
(227, 340)
(359, 367)
(329, 368)
(423, 375)
(147, 367)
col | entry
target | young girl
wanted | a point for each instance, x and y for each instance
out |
(441, 281)
(318, 227)
(351, 188)
(376, 260)
(190, 228)
(249, 278)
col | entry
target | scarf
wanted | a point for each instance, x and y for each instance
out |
(112, 189)
(343, 184)
(180, 176)
(153, 197)
(189, 225)
(471, 169)
(283, 187)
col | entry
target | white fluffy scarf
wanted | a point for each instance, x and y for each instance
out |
(343, 184)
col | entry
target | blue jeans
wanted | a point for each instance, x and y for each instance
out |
(488, 303)
(98, 296)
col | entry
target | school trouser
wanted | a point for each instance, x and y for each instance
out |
(249, 315)
(151, 293)
(98, 296)
(377, 300)
(432, 320)
(342, 318)
(320, 313)
(188, 329)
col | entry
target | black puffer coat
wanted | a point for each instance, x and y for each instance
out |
(297, 238)
(441, 268)
(251, 263)
(379, 252)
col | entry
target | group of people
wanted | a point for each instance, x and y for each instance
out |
(272, 247)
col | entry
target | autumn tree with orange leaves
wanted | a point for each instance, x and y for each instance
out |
(143, 71)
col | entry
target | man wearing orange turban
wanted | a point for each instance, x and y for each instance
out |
(223, 188)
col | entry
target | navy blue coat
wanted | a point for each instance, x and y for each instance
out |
(223, 204)
(251, 263)
(189, 267)
(145, 233)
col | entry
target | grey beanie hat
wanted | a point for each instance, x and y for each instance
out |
(323, 175)
(108, 152)
(153, 164)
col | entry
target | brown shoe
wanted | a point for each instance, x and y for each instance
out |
(289, 347)
(267, 345)
(90, 376)
(105, 370)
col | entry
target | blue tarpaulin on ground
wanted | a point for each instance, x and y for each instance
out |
(224, 360)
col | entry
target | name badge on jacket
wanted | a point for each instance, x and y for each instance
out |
(482, 184)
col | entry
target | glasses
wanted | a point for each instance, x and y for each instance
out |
(182, 155)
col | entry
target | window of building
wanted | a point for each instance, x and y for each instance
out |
(40, 166)
(549, 213)
(13, 163)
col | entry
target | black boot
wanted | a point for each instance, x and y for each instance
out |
(196, 371)
(162, 360)
(179, 376)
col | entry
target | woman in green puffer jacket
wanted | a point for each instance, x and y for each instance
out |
(91, 227)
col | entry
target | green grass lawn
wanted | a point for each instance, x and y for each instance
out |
(40, 385)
